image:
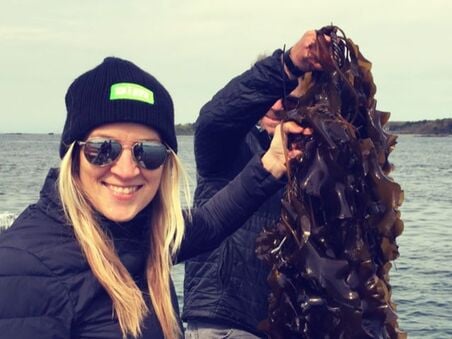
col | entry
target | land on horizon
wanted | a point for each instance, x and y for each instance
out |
(429, 127)
(423, 127)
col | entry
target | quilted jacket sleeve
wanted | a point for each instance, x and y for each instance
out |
(225, 120)
(33, 303)
(229, 208)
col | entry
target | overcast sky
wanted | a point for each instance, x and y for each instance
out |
(195, 47)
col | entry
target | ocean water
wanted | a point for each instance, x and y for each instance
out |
(421, 277)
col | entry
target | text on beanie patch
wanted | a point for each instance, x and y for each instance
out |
(130, 91)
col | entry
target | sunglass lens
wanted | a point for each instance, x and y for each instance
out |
(150, 155)
(102, 152)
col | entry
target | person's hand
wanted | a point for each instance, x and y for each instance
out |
(306, 53)
(274, 160)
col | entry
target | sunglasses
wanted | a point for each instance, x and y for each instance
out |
(103, 152)
(290, 102)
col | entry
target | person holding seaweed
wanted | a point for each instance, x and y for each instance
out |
(92, 258)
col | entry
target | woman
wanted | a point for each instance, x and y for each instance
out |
(92, 257)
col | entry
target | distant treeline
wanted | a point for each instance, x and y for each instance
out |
(185, 129)
(439, 126)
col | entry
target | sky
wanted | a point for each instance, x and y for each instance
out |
(195, 47)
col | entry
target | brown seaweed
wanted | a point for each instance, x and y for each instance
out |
(331, 251)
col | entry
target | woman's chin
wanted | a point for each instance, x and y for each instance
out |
(120, 216)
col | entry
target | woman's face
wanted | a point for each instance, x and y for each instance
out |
(119, 191)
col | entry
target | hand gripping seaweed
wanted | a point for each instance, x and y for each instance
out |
(331, 250)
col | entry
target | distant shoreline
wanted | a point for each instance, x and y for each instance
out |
(423, 127)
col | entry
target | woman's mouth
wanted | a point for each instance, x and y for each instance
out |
(123, 190)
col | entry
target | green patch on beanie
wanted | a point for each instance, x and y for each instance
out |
(130, 91)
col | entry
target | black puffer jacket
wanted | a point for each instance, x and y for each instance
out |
(47, 289)
(228, 285)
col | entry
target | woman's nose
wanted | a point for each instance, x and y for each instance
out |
(125, 166)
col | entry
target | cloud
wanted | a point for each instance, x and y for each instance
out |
(194, 47)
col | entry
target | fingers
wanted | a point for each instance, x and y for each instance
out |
(274, 160)
(291, 127)
(294, 150)
(294, 154)
(306, 53)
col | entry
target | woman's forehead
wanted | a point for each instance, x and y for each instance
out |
(125, 131)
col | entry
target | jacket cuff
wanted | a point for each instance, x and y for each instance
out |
(255, 179)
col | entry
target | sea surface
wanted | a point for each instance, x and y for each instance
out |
(421, 277)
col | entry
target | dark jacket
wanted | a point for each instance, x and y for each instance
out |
(228, 285)
(47, 289)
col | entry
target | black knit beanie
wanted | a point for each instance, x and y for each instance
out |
(117, 91)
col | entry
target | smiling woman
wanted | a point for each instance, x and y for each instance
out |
(120, 189)
(92, 257)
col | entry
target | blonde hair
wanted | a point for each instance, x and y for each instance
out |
(166, 234)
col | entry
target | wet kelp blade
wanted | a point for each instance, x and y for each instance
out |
(331, 250)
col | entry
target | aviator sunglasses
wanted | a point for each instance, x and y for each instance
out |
(103, 152)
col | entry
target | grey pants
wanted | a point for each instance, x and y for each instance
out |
(205, 330)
